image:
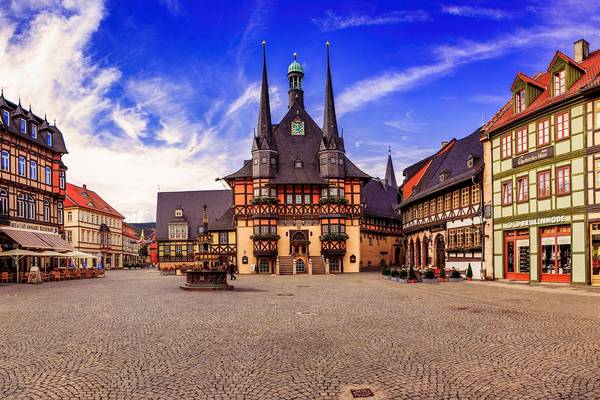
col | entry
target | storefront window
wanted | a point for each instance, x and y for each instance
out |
(596, 252)
(556, 258)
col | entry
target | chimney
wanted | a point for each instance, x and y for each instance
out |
(581, 50)
(84, 187)
(444, 144)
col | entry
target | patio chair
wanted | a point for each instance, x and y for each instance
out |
(57, 275)
(77, 274)
(68, 275)
(5, 277)
(24, 277)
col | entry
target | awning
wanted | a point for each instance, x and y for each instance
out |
(36, 240)
(50, 253)
(79, 254)
(18, 253)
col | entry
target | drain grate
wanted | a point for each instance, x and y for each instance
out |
(305, 313)
(360, 393)
(285, 294)
(303, 285)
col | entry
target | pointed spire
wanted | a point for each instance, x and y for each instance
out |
(390, 175)
(330, 128)
(265, 127)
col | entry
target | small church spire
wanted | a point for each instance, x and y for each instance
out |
(330, 128)
(390, 175)
(265, 127)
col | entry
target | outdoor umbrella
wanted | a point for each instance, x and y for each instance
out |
(17, 254)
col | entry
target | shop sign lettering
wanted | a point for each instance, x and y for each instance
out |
(533, 157)
(539, 221)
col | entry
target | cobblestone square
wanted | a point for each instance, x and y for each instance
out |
(136, 335)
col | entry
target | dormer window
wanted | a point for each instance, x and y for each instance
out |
(6, 116)
(470, 161)
(520, 100)
(179, 212)
(34, 131)
(23, 125)
(298, 164)
(559, 82)
(444, 175)
(49, 139)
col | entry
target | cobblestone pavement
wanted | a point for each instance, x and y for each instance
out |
(136, 335)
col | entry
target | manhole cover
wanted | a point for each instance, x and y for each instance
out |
(305, 313)
(285, 294)
(360, 393)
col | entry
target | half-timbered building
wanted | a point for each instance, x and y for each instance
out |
(195, 229)
(442, 207)
(32, 183)
(544, 148)
(297, 201)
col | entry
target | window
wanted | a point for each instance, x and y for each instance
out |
(522, 143)
(5, 160)
(506, 146)
(298, 164)
(6, 115)
(597, 106)
(49, 138)
(30, 208)
(465, 196)
(543, 185)
(60, 213)
(22, 166)
(543, 133)
(23, 125)
(520, 100)
(3, 202)
(522, 189)
(256, 161)
(559, 82)
(46, 211)
(69, 216)
(263, 160)
(69, 236)
(448, 202)
(432, 209)
(34, 131)
(332, 160)
(21, 209)
(223, 238)
(475, 194)
(460, 237)
(563, 180)
(507, 193)
(455, 199)
(48, 176)
(562, 126)
(440, 204)
(61, 180)
(33, 170)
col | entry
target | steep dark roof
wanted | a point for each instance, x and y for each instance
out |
(225, 222)
(380, 199)
(412, 169)
(58, 141)
(454, 162)
(218, 203)
(390, 174)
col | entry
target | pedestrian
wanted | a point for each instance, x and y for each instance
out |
(232, 272)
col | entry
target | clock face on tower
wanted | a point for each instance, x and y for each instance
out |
(297, 128)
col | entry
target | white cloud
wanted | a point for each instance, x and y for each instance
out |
(448, 58)
(488, 98)
(406, 123)
(174, 6)
(251, 96)
(332, 22)
(477, 12)
(44, 62)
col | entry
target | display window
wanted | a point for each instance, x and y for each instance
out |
(595, 253)
(556, 260)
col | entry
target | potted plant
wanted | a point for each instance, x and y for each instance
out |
(387, 273)
(412, 276)
(442, 276)
(395, 274)
(455, 276)
(402, 275)
(469, 273)
(429, 276)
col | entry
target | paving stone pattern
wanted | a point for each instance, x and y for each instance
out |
(136, 335)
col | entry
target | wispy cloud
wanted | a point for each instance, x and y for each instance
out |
(174, 6)
(477, 12)
(448, 58)
(332, 22)
(487, 98)
(252, 96)
(406, 123)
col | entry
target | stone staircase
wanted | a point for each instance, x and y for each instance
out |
(286, 266)
(318, 265)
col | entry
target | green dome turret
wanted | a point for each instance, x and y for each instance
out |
(295, 76)
(295, 67)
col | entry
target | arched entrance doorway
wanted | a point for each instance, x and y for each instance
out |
(299, 250)
(440, 252)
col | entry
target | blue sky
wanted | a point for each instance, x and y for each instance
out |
(163, 93)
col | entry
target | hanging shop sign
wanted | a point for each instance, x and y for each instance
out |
(533, 156)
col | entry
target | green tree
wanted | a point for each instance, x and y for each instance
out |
(143, 251)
